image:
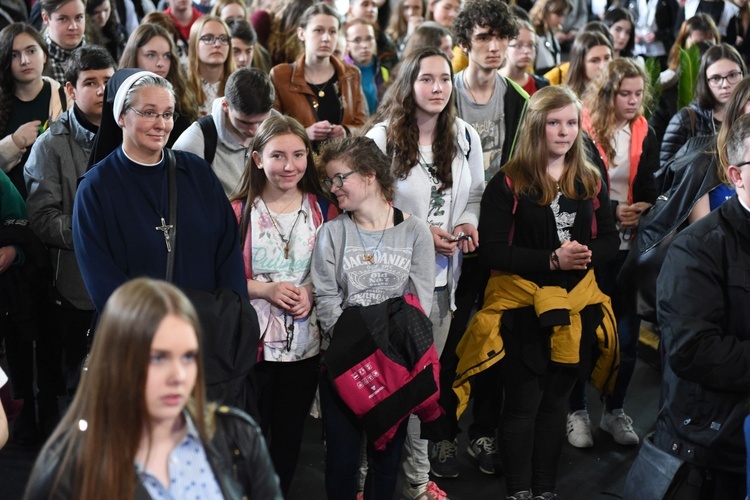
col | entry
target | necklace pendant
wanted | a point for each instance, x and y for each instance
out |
(370, 258)
(286, 250)
(321, 93)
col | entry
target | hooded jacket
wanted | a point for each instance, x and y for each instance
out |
(58, 158)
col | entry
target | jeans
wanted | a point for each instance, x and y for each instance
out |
(344, 432)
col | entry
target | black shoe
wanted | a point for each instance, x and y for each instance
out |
(484, 450)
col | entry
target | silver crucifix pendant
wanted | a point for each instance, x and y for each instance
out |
(165, 228)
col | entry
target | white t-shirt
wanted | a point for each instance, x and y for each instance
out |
(3, 378)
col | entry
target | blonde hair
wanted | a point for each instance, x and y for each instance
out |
(194, 75)
(528, 167)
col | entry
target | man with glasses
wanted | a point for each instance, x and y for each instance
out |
(361, 51)
(703, 304)
(224, 138)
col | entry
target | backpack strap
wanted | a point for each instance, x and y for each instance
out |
(691, 115)
(63, 98)
(509, 183)
(210, 137)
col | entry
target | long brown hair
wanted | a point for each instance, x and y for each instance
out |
(575, 78)
(253, 180)
(186, 103)
(7, 82)
(397, 26)
(599, 101)
(402, 133)
(193, 74)
(699, 22)
(542, 8)
(100, 434)
(528, 167)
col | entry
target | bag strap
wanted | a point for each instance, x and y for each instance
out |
(172, 181)
(691, 115)
(210, 137)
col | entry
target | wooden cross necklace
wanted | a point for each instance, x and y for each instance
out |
(287, 241)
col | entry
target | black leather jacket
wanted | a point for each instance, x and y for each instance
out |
(704, 310)
(237, 453)
(680, 130)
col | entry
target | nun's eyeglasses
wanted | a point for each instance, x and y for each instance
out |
(152, 116)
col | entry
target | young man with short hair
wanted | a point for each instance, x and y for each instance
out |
(57, 159)
(66, 24)
(244, 39)
(224, 138)
(361, 51)
(494, 106)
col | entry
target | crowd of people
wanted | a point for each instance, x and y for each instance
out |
(219, 218)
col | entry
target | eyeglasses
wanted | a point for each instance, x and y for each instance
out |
(523, 46)
(337, 180)
(362, 41)
(211, 39)
(742, 164)
(152, 116)
(731, 78)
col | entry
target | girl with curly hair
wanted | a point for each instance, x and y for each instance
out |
(613, 117)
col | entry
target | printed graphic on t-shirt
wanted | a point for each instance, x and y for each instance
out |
(379, 281)
(563, 219)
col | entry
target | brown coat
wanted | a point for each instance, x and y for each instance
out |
(294, 97)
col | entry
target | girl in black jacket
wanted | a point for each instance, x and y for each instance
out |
(545, 219)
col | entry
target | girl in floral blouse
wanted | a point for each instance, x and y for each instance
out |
(280, 207)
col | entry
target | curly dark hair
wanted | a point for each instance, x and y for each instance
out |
(362, 155)
(492, 14)
(398, 110)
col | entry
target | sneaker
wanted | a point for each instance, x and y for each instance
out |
(620, 426)
(484, 450)
(428, 491)
(443, 462)
(520, 495)
(547, 495)
(579, 429)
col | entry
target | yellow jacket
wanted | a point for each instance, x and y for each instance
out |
(482, 345)
(556, 76)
